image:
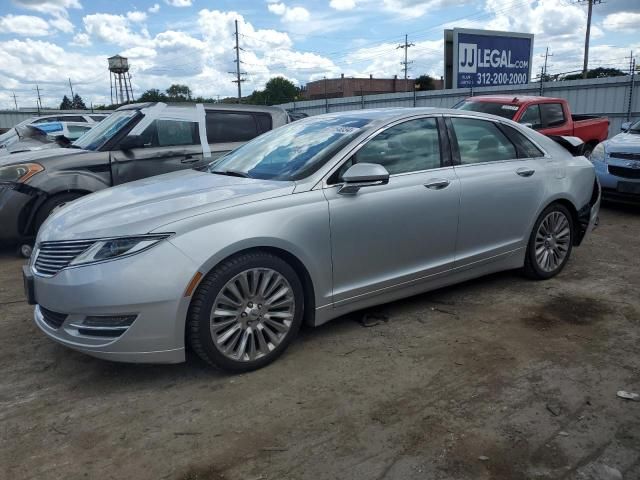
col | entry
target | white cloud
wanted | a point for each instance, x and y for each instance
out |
(418, 8)
(27, 25)
(155, 8)
(114, 29)
(81, 40)
(622, 21)
(62, 23)
(290, 14)
(136, 16)
(52, 7)
(178, 3)
(343, 4)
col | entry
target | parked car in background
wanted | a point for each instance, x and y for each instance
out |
(327, 215)
(46, 135)
(10, 137)
(549, 116)
(617, 163)
(137, 141)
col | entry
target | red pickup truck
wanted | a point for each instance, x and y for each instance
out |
(549, 116)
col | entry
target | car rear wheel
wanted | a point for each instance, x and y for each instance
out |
(246, 312)
(550, 243)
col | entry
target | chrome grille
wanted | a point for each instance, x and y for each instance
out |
(54, 256)
(624, 172)
(625, 156)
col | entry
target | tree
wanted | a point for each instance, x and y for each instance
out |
(425, 82)
(277, 90)
(66, 103)
(153, 95)
(77, 103)
(599, 72)
(179, 93)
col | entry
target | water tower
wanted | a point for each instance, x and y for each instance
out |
(120, 79)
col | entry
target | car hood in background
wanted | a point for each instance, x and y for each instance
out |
(139, 207)
(38, 156)
(624, 142)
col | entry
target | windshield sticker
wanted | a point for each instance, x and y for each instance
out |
(510, 107)
(342, 130)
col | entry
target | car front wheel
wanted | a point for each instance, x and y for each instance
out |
(246, 312)
(550, 243)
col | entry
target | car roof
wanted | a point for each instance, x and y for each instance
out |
(517, 99)
(209, 106)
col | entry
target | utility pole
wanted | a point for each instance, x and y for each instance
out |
(15, 102)
(406, 63)
(541, 78)
(632, 69)
(586, 39)
(543, 73)
(238, 73)
(71, 88)
(39, 99)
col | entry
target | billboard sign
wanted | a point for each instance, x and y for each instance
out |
(483, 58)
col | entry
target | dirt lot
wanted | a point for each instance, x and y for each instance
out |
(523, 373)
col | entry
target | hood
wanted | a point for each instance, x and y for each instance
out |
(139, 207)
(624, 142)
(38, 156)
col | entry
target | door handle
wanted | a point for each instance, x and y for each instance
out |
(437, 184)
(525, 172)
(188, 159)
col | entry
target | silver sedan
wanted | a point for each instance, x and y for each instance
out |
(316, 219)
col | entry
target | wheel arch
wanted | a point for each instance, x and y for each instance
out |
(575, 217)
(300, 268)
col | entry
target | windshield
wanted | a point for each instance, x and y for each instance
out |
(105, 130)
(501, 109)
(291, 152)
(634, 128)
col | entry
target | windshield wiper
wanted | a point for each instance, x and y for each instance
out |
(231, 173)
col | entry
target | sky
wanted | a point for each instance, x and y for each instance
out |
(48, 42)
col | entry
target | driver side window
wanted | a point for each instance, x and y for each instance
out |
(410, 146)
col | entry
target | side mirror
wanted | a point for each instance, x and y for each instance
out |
(363, 175)
(625, 126)
(130, 142)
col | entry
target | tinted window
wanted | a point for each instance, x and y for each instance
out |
(72, 118)
(532, 115)
(167, 133)
(408, 147)
(526, 148)
(481, 141)
(223, 127)
(501, 109)
(552, 114)
(264, 122)
(97, 118)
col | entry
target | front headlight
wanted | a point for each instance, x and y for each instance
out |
(19, 173)
(598, 154)
(112, 248)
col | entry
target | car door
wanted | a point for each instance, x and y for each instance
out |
(502, 186)
(396, 234)
(166, 145)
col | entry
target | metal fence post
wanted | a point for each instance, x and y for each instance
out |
(414, 97)
(361, 99)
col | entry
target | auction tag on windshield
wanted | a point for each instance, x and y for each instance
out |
(343, 130)
(510, 107)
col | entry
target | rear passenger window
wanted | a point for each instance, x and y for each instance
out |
(526, 148)
(223, 127)
(552, 114)
(44, 120)
(264, 122)
(481, 141)
(408, 147)
(168, 133)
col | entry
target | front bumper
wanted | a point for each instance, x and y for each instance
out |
(149, 286)
(12, 211)
(617, 188)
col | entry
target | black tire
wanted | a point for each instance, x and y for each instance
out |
(50, 205)
(531, 267)
(198, 318)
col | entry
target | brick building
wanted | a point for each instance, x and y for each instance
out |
(349, 87)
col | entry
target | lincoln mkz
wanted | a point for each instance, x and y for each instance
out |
(308, 222)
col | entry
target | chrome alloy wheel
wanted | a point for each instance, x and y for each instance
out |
(252, 314)
(553, 240)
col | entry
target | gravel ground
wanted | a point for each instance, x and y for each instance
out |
(497, 378)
